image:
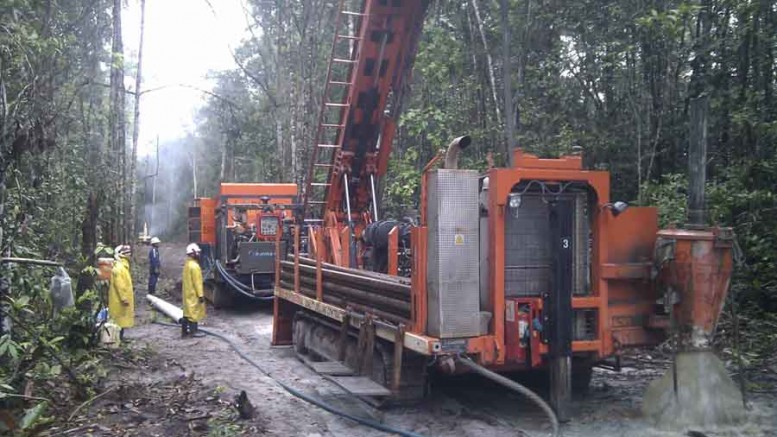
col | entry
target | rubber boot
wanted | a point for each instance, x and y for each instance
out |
(185, 328)
(196, 330)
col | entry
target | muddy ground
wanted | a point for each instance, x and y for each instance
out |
(174, 387)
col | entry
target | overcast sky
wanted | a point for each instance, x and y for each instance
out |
(183, 41)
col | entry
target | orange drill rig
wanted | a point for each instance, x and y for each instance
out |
(237, 231)
(523, 268)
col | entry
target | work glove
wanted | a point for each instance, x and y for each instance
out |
(202, 299)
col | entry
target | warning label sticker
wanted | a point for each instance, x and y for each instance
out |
(458, 240)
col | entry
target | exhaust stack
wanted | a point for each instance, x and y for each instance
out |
(452, 153)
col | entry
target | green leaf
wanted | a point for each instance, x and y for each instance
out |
(32, 415)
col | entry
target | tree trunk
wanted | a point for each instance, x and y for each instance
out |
(194, 171)
(118, 146)
(489, 61)
(136, 126)
(507, 71)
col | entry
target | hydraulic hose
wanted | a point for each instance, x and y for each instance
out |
(236, 285)
(309, 399)
(499, 379)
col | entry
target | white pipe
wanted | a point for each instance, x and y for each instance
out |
(166, 308)
(374, 198)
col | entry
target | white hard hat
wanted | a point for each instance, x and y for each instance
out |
(155, 240)
(192, 248)
(122, 250)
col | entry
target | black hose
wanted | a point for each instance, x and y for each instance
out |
(317, 402)
(236, 285)
(513, 386)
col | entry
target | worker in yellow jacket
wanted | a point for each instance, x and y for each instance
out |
(121, 297)
(193, 299)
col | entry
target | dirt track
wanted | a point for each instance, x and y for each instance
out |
(465, 406)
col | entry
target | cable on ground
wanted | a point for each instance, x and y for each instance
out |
(317, 402)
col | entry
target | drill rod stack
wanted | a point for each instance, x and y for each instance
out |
(385, 296)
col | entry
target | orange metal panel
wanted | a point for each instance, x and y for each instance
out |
(283, 192)
(208, 220)
(393, 249)
(250, 193)
(577, 346)
(585, 302)
(627, 271)
(522, 159)
(631, 294)
(485, 346)
(344, 246)
(418, 280)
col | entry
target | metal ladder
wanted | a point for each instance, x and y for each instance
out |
(335, 109)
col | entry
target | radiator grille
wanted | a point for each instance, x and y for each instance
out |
(528, 257)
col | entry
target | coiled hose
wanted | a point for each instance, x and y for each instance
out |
(294, 392)
(466, 361)
(236, 285)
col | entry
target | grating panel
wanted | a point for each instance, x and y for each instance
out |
(585, 325)
(528, 257)
(454, 259)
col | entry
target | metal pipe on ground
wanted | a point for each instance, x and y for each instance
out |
(166, 308)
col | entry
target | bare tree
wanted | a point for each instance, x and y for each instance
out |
(489, 60)
(507, 72)
(136, 126)
(117, 126)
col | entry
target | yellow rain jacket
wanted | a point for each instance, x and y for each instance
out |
(121, 298)
(192, 291)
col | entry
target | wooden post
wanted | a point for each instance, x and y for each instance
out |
(399, 347)
(369, 346)
(343, 346)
